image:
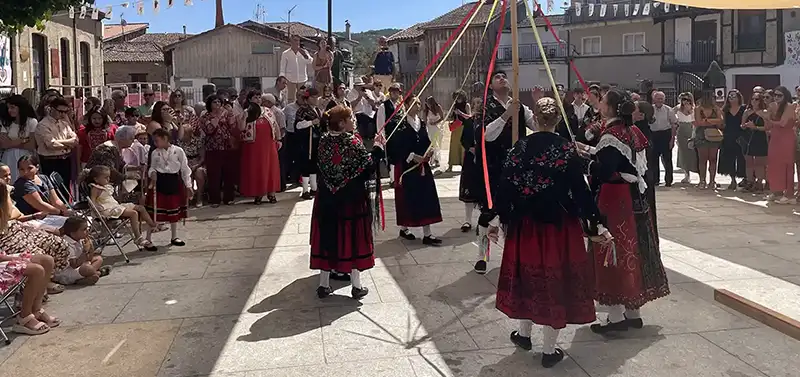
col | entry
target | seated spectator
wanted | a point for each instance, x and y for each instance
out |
(32, 319)
(110, 154)
(34, 192)
(85, 267)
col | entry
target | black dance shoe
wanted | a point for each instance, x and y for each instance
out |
(635, 323)
(358, 293)
(177, 242)
(520, 341)
(609, 326)
(306, 196)
(466, 227)
(480, 267)
(313, 193)
(405, 234)
(338, 276)
(323, 292)
(550, 360)
(431, 240)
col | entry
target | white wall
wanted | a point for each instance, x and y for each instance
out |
(790, 75)
(526, 36)
(531, 75)
(683, 34)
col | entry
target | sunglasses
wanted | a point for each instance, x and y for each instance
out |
(63, 111)
(149, 94)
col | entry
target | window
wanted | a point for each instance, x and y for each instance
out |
(65, 72)
(39, 61)
(412, 52)
(251, 83)
(633, 43)
(86, 65)
(590, 46)
(138, 77)
(262, 48)
(222, 82)
(752, 30)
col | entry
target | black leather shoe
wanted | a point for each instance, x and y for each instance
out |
(405, 234)
(550, 360)
(359, 293)
(431, 240)
(480, 267)
(608, 327)
(323, 292)
(521, 341)
(635, 323)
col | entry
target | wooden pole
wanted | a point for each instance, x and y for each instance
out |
(515, 70)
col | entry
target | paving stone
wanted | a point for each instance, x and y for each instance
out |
(397, 367)
(506, 362)
(453, 283)
(255, 262)
(152, 267)
(91, 305)
(752, 345)
(299, 290)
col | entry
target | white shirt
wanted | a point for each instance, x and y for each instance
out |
(13, 130)
(280, 118)
(495, 128)
(580, 110)
(294, 66)
(171, 161)
(363, 106)
(683, 118)
(414, 122)
(380, 117)
(664, 118)
(289, 113)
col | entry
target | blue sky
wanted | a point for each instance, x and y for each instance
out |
(363, 14)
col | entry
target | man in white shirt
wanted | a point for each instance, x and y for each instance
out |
(294, 66)
(363, 102)
(663, 130)
(579, 103)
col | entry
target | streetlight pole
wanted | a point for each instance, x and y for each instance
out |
(330, 19)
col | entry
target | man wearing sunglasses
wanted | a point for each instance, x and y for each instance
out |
(146, 110)
(55, 140)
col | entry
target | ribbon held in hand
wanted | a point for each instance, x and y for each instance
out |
(454, 125)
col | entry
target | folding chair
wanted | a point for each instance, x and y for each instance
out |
(61, 188)
(105, 229)
(12, 292)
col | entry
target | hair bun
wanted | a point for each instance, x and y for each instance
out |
(546, 111)
(626, 107)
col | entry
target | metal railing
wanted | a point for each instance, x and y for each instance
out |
(691, 54)
(531, 53)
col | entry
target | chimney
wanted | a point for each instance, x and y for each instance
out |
(347, 30)
(220, 20)
(184, 30)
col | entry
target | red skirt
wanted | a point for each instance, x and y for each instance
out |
(416, 200)
(638, 276)
(546, 275)
(260, 171)
(341, 232)
(171, 208)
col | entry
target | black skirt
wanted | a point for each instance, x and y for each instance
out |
(469, 188)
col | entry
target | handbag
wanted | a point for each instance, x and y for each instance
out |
(249, 132)
(713, 135)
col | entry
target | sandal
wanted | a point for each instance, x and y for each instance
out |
(146, 244)
(52, 322)
(272, 199)
(105, 271)
(54, 288)
(26, 327)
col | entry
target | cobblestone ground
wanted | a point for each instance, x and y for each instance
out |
(239, 301)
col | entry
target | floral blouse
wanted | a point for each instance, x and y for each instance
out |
(221, 132)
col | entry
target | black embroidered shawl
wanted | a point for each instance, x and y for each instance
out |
(342, 158)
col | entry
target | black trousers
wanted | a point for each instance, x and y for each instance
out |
(662, 152)
(285, 159)
(62, 166)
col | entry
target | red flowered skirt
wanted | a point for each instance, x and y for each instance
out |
(546, 275)
(171, 208)
(416, 200)
(341, 233)
(12, 272)
(638, 276)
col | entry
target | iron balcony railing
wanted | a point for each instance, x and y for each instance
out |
(691, 53)
(530, 52)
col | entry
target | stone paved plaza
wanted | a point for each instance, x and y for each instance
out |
(239, 301)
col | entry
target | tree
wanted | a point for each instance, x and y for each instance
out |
(15, 15)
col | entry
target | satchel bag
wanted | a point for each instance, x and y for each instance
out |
(713, 135)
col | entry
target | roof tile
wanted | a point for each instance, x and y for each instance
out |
(132, 52)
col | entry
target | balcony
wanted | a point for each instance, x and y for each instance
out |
(693, 56)
(530, 52)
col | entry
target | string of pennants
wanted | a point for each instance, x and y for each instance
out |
(627, 9)
(88, 10)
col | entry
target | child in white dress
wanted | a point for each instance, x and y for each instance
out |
(102, 194)
(85, 267)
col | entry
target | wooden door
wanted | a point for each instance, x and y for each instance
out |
(746, 83)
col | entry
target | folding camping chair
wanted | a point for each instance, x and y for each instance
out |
(102, 230)
(13, 292)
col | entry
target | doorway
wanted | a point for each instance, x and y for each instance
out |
(746, 83)
(704, 41)
(39, 60)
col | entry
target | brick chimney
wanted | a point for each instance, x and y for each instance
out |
(220, 19)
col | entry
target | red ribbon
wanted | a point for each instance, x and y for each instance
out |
(455, 124)
(489, 76)
(540, 13)
(430, 65)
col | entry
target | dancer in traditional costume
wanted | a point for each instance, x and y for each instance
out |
(341, 222)
(546, 276)
(308, 130)
(170, 184)
(495, 121)
(261, 139)
(416, 199)
(629, 273)
(469, 185)
(592, 119)
(385, 111)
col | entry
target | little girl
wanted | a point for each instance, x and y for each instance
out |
(170, 184)
(102, 194)
(85, 268)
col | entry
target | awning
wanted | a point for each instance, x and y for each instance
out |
(740, 4)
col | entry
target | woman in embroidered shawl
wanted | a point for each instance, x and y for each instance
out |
(341, 222)
(546, 276)
(628, 272)
(260, 170)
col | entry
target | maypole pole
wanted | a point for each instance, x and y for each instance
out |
(515, 72)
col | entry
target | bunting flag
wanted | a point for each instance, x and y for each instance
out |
(578, 7)
(646, 9)
(636, 9)
(616, 8)
(550, 5)
(95, 13)
(140, 7)
(109, 12)
(187, 2)
(156, 6)
(627, 10)
(170, 3)
(603, 8)
(591, 10)
(83, 12)
(71, 12)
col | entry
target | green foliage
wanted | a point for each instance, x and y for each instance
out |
(15, 15)
(367, 45)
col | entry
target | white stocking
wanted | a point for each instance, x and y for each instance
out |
(355, 278)
(468, 208)
(549, 340)
(173, 228)
(391, 173)
(404, 228)
(616, 313)
(313, 181)
(304, 182)
(525, 326)
(483, 247)
(633, 314)
(426, 231)
(325, 279)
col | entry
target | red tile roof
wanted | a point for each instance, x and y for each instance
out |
(111, 31)
(132, 52)
(298, 28)
(450, 19)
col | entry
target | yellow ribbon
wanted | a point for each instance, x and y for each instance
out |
(440, 134)
(529, 13)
